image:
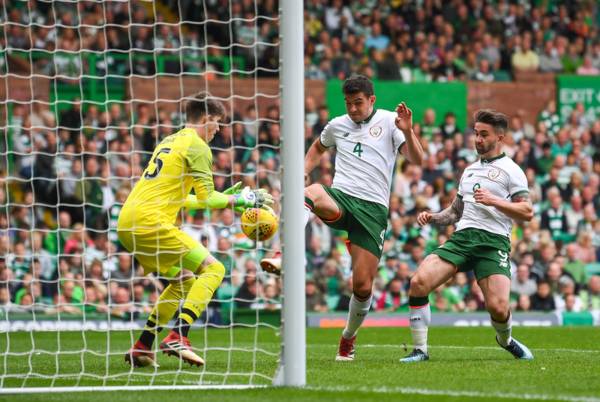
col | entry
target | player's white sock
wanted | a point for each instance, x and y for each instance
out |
(420, 317)
(503, 330)
(356, 315)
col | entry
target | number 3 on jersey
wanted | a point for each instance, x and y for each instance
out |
(358, 150)
(158, 163)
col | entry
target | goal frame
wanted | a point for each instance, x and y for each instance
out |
(292, 365)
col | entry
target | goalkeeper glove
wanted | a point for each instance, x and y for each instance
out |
(248, 198)
(235, 189)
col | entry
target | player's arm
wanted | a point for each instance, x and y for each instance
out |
(313, 156)
(215, 200)
(199, 159)
(413, 151)
(232, 197)
(448, 216)
(518, 208)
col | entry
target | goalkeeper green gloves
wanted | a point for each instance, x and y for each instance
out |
(241, 199)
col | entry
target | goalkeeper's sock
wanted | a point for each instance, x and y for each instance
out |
(420, 317)
(165, 309)
(503, 330)
(356, 315)
(199, 296)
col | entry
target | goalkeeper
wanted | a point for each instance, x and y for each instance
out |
(146, 228)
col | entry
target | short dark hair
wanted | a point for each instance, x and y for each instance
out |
(203, 104)
(497, 120)
(358, 83)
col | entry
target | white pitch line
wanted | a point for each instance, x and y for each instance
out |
(378, 390)
(473, 394)
(392, 346)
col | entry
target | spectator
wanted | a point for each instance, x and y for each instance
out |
(483, 73)
(314, 298)
(525, 59)
(542, 299)
(588, 68)
(584, 250)
(554, 218)
(247, 294)
(550, 61)
(590, 298)
(521, 283)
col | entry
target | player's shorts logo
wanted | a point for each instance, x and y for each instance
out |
(493, 173)
(375, 131)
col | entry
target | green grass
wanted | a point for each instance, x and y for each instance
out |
(465, 365)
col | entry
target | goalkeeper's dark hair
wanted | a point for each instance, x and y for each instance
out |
(497, 120)
(357, 83)
(203, 104)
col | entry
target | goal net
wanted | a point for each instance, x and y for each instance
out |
(87, 90)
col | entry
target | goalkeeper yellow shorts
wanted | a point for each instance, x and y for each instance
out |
(163, 250)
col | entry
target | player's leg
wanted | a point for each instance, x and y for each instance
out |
(317, 201)
(364, 269)
(162, 312)
(166, 305)
(496, 293)
(432, 272)
(209, 275)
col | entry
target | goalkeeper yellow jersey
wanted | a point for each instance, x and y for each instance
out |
(181, 161)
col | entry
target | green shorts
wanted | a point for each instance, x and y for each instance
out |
(475, 249)
(365, 221)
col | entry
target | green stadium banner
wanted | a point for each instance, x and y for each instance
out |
(574, 89)
(441, 97)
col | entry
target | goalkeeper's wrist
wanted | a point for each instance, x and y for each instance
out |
(237, 200)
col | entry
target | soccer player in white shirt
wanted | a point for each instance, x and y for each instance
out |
(367, 141)
(492, 192)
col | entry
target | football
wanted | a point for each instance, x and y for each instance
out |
(259, 224)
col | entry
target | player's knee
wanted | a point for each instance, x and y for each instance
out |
(418, 287)
(310, 192)
(498, 309)
(183, 276)
(362, 291)
(217, 269)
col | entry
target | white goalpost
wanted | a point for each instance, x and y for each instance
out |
(87, 90)
(292, 105)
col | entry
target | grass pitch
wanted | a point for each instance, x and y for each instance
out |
(465, 365)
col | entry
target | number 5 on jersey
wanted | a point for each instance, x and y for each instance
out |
(358, 150)
(158, 163)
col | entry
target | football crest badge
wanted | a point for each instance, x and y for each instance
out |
(375, 131)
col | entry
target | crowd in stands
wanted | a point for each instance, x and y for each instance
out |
(412, 41)
(71, 172)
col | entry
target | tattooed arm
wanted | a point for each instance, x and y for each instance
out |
(519, 208)
(447, 217)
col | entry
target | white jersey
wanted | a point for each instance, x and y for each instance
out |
(366, 154)
(503, 178)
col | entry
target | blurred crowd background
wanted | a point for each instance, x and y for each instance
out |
(72, 169)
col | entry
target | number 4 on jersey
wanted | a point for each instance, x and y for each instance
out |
(358, 149)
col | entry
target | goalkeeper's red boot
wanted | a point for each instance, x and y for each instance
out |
(272, 265)
(140, 355)
(180, 346)
(346, 350)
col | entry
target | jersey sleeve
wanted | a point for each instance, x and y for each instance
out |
(398, 137)
(460, 192)
(199, 161)
(518, 182)
(327, 137)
